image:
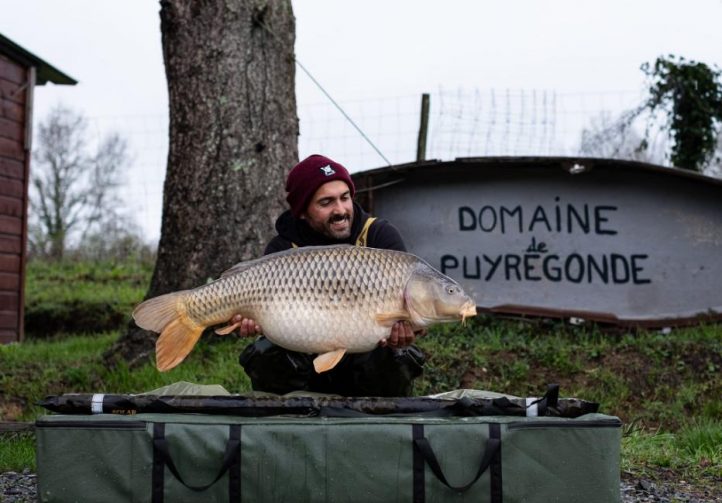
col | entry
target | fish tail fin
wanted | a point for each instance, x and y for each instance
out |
(178, 333)
(156, 313)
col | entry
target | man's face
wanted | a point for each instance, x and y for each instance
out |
(330, 211)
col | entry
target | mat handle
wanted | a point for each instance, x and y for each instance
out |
(162, 455)
(422, 445)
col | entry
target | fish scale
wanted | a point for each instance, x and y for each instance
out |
(336, 294)
(312, 300)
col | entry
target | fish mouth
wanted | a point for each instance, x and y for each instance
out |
(467, 310)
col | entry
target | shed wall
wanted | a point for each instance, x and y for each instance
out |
(15, 90)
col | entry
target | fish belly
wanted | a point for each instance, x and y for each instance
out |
(315, 329)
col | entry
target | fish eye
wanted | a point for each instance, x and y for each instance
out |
(451, 290)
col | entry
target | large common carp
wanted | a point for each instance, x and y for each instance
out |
(327, 300)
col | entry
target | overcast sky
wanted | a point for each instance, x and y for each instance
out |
(364, 50)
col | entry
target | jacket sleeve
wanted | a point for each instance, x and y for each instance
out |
(386, 236)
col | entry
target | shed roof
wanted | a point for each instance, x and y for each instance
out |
(45, 72)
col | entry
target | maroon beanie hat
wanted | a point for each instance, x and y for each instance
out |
(308, 175)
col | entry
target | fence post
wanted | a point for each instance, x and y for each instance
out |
(423, 128)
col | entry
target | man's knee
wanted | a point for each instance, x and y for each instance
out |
(274, 369)
(386, 371)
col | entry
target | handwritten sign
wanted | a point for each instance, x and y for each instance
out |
(623, 242)
(537, 261)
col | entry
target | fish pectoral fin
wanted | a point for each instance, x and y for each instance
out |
(327, 361)
(388, 319)
(227, 329)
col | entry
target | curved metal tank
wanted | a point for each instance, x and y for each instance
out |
(600, 239)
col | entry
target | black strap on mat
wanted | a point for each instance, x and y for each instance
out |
(495, 468)
(419, 487)
(231, 463)
(424, 454)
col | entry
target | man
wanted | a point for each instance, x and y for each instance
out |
(322, 212)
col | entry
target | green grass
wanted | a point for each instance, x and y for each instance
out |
(74, 364)
(702, 439)
(17, 451)
(81, 296)
(695, 451)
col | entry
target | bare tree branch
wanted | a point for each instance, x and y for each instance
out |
(74, 182)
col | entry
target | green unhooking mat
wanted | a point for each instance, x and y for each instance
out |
(173, 457)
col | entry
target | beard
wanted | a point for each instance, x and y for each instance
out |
(338, 226)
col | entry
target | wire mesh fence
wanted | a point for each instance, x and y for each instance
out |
(462, 123)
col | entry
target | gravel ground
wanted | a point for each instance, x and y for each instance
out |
(18, 487)
(643, 490)
(22, 488)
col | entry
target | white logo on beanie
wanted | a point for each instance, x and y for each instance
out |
(328, 170)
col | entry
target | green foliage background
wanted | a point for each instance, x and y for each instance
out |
(690, 93)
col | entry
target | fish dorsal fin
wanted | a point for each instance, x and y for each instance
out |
(326, 361)
(242, 266)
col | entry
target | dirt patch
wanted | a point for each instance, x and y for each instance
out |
(74, 317)
(11, 409)
(473, 376)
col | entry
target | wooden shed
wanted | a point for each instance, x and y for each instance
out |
(20, 72)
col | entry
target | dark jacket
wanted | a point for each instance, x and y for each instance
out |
(381, 372)
(381, 234)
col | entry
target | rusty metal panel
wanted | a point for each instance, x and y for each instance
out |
(597, 239)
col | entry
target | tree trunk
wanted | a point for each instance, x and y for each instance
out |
(233, 138)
